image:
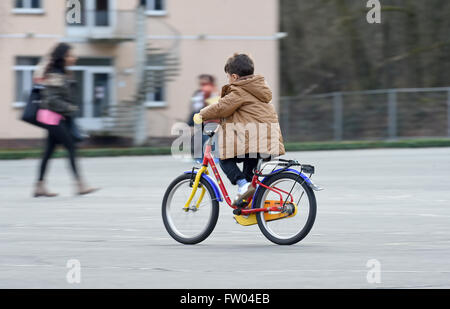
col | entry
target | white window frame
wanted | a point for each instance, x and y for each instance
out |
(27, 9)
(88, 122)
(164, 89)
(150, 8)
(27, 82)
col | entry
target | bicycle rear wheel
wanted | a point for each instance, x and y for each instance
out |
(291, 229)
(194, 225)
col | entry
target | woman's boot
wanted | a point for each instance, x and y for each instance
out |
(83, 189)
(41, 191)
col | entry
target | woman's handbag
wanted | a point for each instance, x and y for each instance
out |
(48, 117)
(32, 107)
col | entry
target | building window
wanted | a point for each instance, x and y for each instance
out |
(28, 6)
(94, 87)
(156, 95)
(24, 69)
(154, 7)
(155, 71)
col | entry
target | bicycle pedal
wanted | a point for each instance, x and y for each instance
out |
(237, 212)
(241, 204)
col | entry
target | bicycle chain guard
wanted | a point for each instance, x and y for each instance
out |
(251, 219)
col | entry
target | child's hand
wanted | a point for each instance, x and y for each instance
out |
(198, 119)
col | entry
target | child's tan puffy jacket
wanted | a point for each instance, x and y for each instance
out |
(248, 119)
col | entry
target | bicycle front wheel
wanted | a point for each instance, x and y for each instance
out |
(290, 229)
(192, 225)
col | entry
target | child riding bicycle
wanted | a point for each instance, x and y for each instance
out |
(249, 123)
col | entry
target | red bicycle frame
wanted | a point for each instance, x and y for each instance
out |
(208, 160)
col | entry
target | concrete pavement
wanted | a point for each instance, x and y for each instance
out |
(392, 206)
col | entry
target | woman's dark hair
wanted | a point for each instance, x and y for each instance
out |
(240, 64)
(58, 59)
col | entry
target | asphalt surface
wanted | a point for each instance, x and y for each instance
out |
(386, 210)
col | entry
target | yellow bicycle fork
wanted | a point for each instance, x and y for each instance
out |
(199, 175)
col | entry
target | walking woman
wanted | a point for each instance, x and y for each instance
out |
(56, 112)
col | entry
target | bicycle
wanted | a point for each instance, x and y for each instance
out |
(273, 206)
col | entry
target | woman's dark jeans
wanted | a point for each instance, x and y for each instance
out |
(59, 135)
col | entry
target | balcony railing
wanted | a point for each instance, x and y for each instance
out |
(103, 25)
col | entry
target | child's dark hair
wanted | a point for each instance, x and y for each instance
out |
(240, 64)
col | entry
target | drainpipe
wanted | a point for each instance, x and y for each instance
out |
(141, 125)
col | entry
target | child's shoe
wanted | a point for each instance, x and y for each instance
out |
(244, 192)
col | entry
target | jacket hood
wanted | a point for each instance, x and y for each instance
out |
(255, 85)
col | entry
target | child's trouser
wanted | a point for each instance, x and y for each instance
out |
(230, 168)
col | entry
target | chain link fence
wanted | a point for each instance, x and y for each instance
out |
(366, 115)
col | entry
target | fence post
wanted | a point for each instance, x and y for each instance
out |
(448, 111)
(338, 115)
(392, 114)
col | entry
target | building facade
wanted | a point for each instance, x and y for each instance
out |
(201, 34)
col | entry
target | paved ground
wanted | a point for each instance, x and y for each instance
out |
(388, 205)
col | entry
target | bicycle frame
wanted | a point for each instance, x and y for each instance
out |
(208, 160)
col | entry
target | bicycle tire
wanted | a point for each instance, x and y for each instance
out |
(212, 221)
(311, 217)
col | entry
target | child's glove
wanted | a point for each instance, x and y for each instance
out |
(198, 119)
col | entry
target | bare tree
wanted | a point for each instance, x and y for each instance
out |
(332, 47)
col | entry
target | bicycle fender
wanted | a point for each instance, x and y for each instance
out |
(213, 185)
(308, 181)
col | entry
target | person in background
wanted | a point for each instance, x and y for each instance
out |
(206, 95)
(57, 109)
